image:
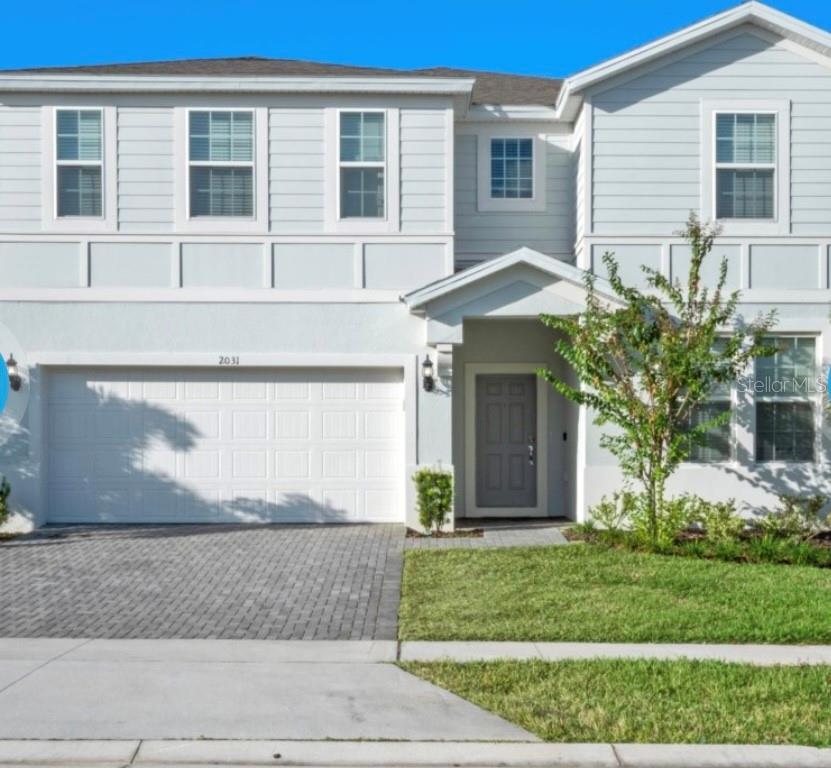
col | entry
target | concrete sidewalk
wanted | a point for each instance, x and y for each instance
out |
(351, 754)
(203, 689)
(760, 655)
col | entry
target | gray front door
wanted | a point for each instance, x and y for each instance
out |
(506, 440)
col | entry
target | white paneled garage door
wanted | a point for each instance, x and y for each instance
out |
(285, 445)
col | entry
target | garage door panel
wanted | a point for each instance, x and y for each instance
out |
(281, 446)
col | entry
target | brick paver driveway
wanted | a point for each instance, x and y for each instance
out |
(322, 582)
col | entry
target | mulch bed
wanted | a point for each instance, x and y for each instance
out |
(467, 533)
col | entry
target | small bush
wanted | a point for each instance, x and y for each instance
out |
(720, 520)
(5, 491)
(615, 513)
(676, 516)
(797, 518)
(434, 489)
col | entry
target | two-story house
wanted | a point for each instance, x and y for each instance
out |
(268, 290)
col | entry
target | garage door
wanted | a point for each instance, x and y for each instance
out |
(225, 446)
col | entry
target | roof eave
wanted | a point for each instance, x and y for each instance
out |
(76, 83)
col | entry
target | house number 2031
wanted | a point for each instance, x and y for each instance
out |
(228, 360)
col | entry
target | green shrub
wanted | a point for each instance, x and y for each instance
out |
(797, 518)
(434, 490)
(615, 513)
(720, 520)
(675, 517)
(5, 491)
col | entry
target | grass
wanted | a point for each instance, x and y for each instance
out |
(594, 594)
(648, 701)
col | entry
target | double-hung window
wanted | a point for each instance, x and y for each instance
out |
(715, 444)
(512, 168)
(362, 165)
(745, 165)
(786, 394)
(221, 163)
(79, 159)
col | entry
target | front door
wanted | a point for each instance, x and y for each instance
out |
(506, 441)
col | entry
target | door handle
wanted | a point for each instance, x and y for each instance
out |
(532, 450)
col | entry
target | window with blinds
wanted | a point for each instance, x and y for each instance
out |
(786, 400)
(745, 165)
(362, 160)
(79, 159)
(221, 160)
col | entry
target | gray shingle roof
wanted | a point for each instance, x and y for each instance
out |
(490, 87)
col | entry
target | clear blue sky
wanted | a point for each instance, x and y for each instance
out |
(546, 37)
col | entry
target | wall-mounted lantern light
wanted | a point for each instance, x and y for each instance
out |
(15, 381)
(427, 374)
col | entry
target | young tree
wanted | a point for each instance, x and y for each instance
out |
(646, 358)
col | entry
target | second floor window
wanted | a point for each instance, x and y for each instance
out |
(362, 161)
(745, 165)
(512, 168)
(221, 159)
(79, 163)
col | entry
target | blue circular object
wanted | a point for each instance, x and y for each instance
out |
(4, 384)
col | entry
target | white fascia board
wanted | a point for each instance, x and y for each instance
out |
(490, 113)
(752, 12)
(154, 83)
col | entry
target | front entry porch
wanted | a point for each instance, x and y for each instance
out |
(516, 443)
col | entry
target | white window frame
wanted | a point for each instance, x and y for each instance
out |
(813, 399)
(780, 224)
(50, 220)
(391, 221)
(225, 225)
(252, 164)
(483, 165)
(382, 164)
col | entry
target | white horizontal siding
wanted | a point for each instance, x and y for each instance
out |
(647, 143)
(296, 172)
(423, 140)
(20, 172)
(492, 233)
(145, 169)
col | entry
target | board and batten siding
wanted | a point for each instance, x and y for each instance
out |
(579, 181)
(20, 171)
(486, 234)
(647, 144)
(145, 169)
(423, 170)
(296, 169)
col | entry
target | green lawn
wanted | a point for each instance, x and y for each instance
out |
(648, 701)
(585, 593)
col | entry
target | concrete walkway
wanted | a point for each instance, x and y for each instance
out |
(760, 655)
(498, 534)
(119, 754)
(243, 689)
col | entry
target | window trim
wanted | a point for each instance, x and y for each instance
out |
(814, 400)
(780, 224)
(333, 223)
(58, 163)
(224, 225)
(485, 202)
(50, 221)
(252, 164)
(382, 164)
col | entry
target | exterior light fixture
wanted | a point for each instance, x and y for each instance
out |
(15, 381)
(427, 377)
